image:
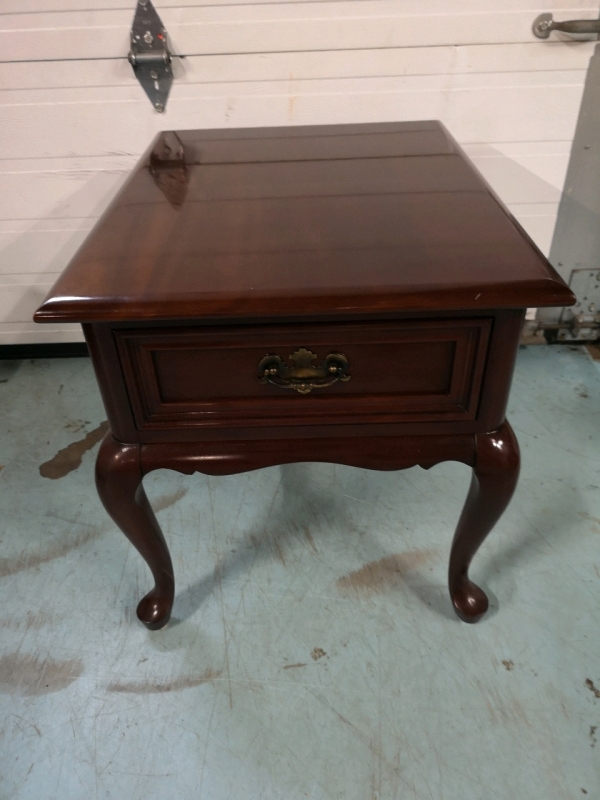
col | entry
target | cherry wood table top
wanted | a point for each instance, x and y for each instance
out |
(350, 294)
(293, 221)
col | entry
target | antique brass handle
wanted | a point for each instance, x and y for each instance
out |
(303, 377)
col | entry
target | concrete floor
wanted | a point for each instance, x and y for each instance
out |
(313, 652)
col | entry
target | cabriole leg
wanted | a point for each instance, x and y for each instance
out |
(494, 479)
(119, 483)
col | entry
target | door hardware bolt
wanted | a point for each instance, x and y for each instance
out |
(150, 56)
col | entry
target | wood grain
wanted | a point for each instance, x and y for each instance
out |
(399, 221)
(475, 65)
(279, 228)
(400, 371)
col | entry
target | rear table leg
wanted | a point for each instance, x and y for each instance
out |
(494, 479)
(119, 483)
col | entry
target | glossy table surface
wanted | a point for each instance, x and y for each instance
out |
(237, 271)
(306, 220)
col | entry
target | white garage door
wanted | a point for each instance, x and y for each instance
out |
(74, 120)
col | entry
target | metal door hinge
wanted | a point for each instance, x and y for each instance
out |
(577, 329)
(149, 55)
(168, 168)
(582, 321)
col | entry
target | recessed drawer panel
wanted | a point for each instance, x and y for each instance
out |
(326, 374)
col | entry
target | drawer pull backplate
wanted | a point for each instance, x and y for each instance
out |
(303, 377)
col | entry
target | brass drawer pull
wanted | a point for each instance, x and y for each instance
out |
(303, 377)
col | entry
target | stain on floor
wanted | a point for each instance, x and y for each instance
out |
(387, 573)
(279, 552)
(310, 540)
(590, 518)
(29, 621)
(10, 566)
(69, 458)
(168, 500)
(183, 682)
(32, 675)
(590, 685)
(408, 704)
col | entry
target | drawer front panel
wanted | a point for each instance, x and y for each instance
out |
(398, 371)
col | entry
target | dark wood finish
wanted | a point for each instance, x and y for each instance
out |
(306, 221)
(377, 242)
(119, 483)
(499, 367)
(495, 475)
(228, 458)
(400, 371)
(502, 348)
(108, 371)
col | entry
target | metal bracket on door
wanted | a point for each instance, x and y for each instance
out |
(149, 55)
(545, 24)
(582, 321)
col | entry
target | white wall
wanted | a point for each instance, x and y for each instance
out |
(73, 120)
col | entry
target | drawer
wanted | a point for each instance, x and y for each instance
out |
(318, 374)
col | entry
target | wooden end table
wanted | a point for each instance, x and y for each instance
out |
(351, 294)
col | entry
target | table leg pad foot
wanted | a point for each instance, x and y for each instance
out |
(119, 481)
(154, 610)
(470, 602)
(495, 474)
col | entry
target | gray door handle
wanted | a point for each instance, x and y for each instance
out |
(544, 25)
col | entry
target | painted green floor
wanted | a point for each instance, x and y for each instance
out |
(313, 652)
